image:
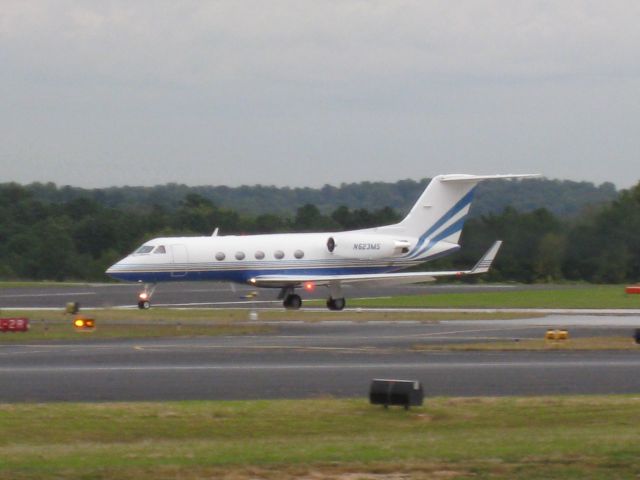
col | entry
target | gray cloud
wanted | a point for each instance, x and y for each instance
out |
(306, 92)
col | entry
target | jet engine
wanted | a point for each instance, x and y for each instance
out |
(366, 246)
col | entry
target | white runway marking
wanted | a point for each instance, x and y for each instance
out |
(17, 349)
(564, 320)
(66, 294)
(207, 290)
(478, 330)
(239, 302)
(543, 311)
(590, 364)
(258, 347)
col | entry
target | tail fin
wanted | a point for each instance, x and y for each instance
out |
(441, 210)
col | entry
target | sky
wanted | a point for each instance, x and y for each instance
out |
(306, 92)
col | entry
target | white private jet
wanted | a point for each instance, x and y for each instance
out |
(370, 256)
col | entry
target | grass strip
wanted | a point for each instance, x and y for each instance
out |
(46, 325)
(217, 315)
(42, 332)
(592, 297)
(540, 437)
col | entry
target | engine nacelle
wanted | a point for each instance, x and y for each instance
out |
(366, 246)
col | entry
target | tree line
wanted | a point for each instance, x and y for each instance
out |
(60, 236)
(563, 198)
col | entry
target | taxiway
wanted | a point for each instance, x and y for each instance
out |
(197, 294)
(301, 360)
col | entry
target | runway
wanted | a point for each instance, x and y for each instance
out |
(197, 294)
(302, 360)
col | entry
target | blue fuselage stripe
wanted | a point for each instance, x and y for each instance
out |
(239, 275)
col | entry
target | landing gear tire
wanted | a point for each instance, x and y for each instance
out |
(292, 302)
(144, 297)
(336, 303)
(144, 305)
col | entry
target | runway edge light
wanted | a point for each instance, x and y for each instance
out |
(557, 334)
(83, 324)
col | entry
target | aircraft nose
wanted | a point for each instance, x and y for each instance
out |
(111, 269)
(116, 267)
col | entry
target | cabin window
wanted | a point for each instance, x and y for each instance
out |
(259, 255)
(239, 255)
(298, 254)
(144, 249)
(279, 254)
(220, 256)
(160, 249)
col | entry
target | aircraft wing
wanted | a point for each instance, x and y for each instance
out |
(371, 279)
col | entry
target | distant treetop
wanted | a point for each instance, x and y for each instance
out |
(564, 198)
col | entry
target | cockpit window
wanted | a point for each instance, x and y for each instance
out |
(144, 249)
(160, 249)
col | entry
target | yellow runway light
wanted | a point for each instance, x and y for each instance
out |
(556, 335)
(84, 324)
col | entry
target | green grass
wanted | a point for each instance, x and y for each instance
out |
(216, 315)
(600, 296)
(55, 325)
(49, 325)
(544, 437)
(43, 332)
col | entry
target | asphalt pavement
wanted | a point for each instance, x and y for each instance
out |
(204, 294)
(303, 360)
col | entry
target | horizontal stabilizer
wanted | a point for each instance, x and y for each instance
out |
(477, 178)
(484, 264)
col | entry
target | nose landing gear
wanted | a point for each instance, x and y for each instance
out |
(144, 297)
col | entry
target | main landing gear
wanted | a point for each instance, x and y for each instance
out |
(336, 303)
(144, 297)
(336, 299)
(292, 301)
